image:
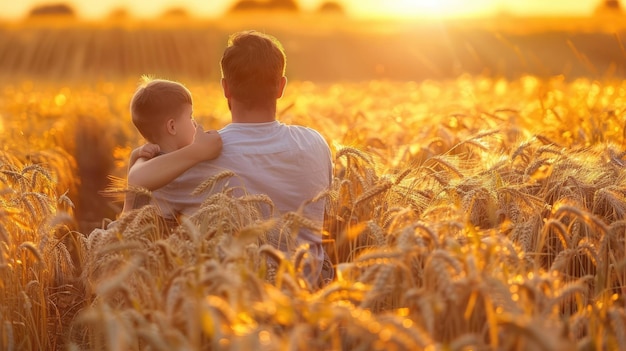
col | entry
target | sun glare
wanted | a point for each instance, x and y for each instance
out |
(432, 8)
(428, 6)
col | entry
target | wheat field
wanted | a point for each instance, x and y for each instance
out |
(465, 213)
(488, 215)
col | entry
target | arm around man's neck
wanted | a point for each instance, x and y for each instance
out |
(157, 172)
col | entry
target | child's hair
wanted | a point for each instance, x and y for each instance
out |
(252, 65)
(156, 101)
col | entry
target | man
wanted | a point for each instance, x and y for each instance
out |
(291, 164)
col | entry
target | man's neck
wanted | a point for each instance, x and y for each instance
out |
(255, 115)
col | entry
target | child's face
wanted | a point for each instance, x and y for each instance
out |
(185, 127)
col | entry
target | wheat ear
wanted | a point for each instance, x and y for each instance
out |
(370, 193)
(212, 181)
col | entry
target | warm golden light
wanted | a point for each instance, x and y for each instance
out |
(430, 8)
(354, 8)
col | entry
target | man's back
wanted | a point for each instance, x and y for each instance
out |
(290, 164)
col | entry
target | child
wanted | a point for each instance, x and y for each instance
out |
(162, 112)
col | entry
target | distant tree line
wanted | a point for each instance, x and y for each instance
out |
(608, 6)
(269, 5)
(67, 11)
(55, 9)
(328, 7)
(612, 4)
(282, 5)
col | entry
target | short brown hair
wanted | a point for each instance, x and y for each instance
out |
(154, 102)
(253, 65)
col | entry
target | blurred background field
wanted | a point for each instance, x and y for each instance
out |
(320, 48)
(56, 43)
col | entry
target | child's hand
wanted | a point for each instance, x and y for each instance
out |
(207, 144)
(148, 151)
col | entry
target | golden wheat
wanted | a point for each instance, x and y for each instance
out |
(210, 183)
(450, 235)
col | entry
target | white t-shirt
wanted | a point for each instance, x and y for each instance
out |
(291, 164)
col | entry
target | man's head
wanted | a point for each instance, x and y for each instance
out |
(162, 107)
(253, 69)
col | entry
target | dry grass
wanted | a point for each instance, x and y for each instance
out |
(468, 214)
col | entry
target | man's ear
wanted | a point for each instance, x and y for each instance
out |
(225, 88)
(281, 87)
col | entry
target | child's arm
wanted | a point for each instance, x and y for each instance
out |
(133, 200)
(145, 151)
(159, 171)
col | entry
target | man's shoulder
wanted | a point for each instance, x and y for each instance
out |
(301, 128)
(305, 131)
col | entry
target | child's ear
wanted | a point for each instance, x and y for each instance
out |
(171, 126)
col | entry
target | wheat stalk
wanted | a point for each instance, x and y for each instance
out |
(447, 165)
(373, 191)
(377, 232)
(212, 181)
(259, 198)
(108, 286)
(30, 246)
(352, 152)
(616, 320)
(379, 256)
(301, 221)
(586, 217)
(379, 287)
(8, 332)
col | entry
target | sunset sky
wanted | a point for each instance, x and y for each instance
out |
(356, 8)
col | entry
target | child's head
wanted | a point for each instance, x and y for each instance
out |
(253, 66)
(163, 109)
